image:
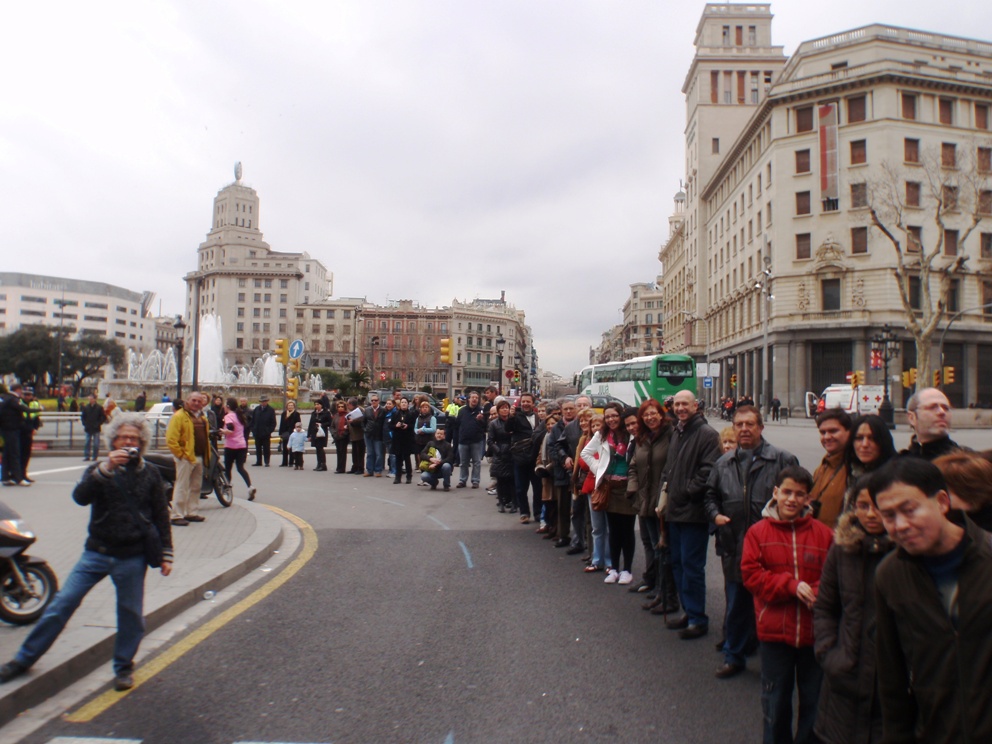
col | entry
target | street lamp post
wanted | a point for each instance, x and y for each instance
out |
(765, 285)
(373, 343)
(886, 344)
(500, 345)
(180, 327)
(61, 304)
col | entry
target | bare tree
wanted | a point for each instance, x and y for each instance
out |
(950, 190)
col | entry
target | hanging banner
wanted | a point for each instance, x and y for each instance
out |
(829, 151)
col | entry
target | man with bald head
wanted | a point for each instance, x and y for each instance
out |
(929, 413)
(694, 449)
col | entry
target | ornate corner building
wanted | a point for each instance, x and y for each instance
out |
(777, 265)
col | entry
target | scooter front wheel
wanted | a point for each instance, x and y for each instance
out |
(23, 605)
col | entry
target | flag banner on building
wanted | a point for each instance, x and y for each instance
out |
(829, 165)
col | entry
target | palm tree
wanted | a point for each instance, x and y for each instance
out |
(358, 382)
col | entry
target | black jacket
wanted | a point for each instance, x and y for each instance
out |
(114, 529)
(12, 410)
(288, 422)
(93, 418)
(691, 455)
(726, 494)
(934, 678)
(263, 421)
(470, 430)
(844, 629)
(323, 419)
(525, 440)
(646, 470)
(498, 443)
(373, 422)
(932, 450)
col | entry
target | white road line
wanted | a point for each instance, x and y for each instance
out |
(90, 740)
(35, 471)
(435, 519)
(468, 556)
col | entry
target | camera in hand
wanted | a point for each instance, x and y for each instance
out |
(133, 454)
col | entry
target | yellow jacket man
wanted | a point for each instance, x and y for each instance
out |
(188, 439)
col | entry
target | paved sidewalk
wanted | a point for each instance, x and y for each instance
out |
(209, 556)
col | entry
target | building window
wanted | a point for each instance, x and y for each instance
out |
(239, 343)
(830, 289)
(950, 242)
(982, 115)
(284, 283)
(804, 119)
(986, 245)
(911, 150)
(716, 145)
(908, 106)
(283, 298)
(257, 297)
(949, 196)
(985, 202)
(241, 296)
(859, 240)
(856, 109)
(859, 152)
(714, 87)
(945, 111)
(802, 202)
(329, 314)
(802, 161)
(241, 312)
(752, 36)
(914, 292)
(987, 299)
(912, 193)
(859, 195)
(984, 159)
(803, 244)
(914, 238)
(948, 154)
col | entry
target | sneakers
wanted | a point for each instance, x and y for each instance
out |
(123, 681)
(251, 493)
(625, 577)
(611, 577)
(10, 670)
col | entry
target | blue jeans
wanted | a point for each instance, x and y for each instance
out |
(688, 542)
(471, 453)
(600, 536)
(783, 668)
(740, 629)
(431, 479)
(128, 575)
(94, 441)
(374, 454)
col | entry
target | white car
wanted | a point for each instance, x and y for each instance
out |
(160, 412)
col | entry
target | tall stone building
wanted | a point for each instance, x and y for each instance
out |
(789, 267)
(239, 278)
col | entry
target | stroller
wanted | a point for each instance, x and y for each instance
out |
(214, 478)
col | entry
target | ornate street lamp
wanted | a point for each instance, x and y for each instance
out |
(180, 327)
(500, 345)
(886, 347)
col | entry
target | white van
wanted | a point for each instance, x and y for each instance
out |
(863, 399)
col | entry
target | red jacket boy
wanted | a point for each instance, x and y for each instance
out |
(781, 565)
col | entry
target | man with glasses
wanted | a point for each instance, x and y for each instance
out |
(929, 413)
(375, 417)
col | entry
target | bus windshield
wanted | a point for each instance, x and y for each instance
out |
(681, 369)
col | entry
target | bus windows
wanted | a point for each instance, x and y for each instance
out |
(675, 371)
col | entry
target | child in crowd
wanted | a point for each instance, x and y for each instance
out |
(297, 443)
(783, 558)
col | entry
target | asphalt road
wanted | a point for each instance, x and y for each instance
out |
(429, 617)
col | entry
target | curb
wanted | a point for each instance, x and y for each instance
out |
(83, 649)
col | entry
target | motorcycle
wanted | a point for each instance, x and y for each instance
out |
(214, 478)
(27, 584)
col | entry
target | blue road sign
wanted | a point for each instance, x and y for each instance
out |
(707, 381)
(296, 349)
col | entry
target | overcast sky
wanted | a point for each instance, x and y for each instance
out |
(420, 149)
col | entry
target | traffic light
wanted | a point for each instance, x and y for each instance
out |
(516, 376)
(282, 351)
(294, 365)
(936, 378)
(857, 378)
(909, 377)
(733, 380)
(948, 375)
(292, 388)
(445, 351)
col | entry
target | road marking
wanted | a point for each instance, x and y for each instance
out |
(435, 519)
(386, 501)
(95, 707)
(35, 471)
(90, 740)
(468, 556)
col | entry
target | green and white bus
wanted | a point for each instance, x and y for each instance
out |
(636, 380)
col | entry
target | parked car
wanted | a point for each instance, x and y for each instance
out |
(159, 412)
